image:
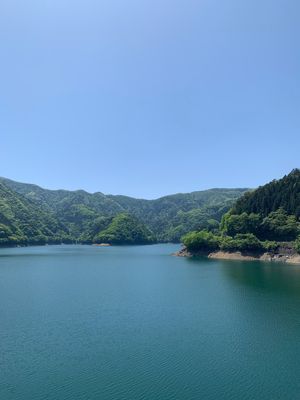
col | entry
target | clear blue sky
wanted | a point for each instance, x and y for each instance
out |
(149, 97)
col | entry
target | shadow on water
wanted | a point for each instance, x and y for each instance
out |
(277, 278)
(271, 277)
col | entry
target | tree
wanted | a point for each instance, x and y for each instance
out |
(297, 244)
(241, 242)
(233, 224)
(201, 241)
(278, 225)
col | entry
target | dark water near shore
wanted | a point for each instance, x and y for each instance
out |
(85, 323)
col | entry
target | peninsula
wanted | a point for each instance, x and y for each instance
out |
(263, 224)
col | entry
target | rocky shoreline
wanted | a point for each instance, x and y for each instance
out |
(281, 256)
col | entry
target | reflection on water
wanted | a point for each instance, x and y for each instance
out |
(133, 322)
(271, 277)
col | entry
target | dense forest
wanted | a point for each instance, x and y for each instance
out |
(279, 194)
(227, 219)
(125, 229)
(30, 214)
(24, 222)
(260, 220)
(170, 217)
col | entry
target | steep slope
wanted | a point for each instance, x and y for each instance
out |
(168, 217)
(126, 229)
(24, 222)
(264, 220)
(283, 193)
(271, 212)
(78, 210)
(172, 216)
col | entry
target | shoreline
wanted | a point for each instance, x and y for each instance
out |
(238, 256)
(19, 246)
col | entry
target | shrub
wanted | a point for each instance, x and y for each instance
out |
(279, 225)
(270, 245)
(241, 242)
(297, 244)
(248, 241)
(240, 224)
(228, 243)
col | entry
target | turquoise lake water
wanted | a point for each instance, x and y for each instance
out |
(86, 323)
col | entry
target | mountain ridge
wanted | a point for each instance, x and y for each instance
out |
(81, 213)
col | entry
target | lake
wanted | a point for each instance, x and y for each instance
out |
(114, 323)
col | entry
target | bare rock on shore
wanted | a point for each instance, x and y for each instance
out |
(183, 253)
(294, 259)
(237, 255)
(285, 257)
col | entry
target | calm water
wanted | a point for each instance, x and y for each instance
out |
(85, 323)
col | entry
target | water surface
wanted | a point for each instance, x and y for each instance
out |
(86, 323)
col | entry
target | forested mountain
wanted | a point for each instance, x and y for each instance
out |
(283, 193)
(82, 216)
(125, 229)
(270, 212)
(261, 219)
(170, 217)
(24, 222)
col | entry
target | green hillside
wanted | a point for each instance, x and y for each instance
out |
(263, 219)
(282, 193)
(172, 216)
(84, 215)
(271, 212)
(125, 229)
(24, 222)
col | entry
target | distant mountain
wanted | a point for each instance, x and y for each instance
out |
(170, 217)
(77, 210)
(125, 229)
(25, 222)
(82, 216)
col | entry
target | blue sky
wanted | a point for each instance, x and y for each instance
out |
(147, 98)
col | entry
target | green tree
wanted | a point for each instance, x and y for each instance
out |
(125, 229)
(233, 224)
(297, 244)
(201, 241)
(278, 225)
(241, 242)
